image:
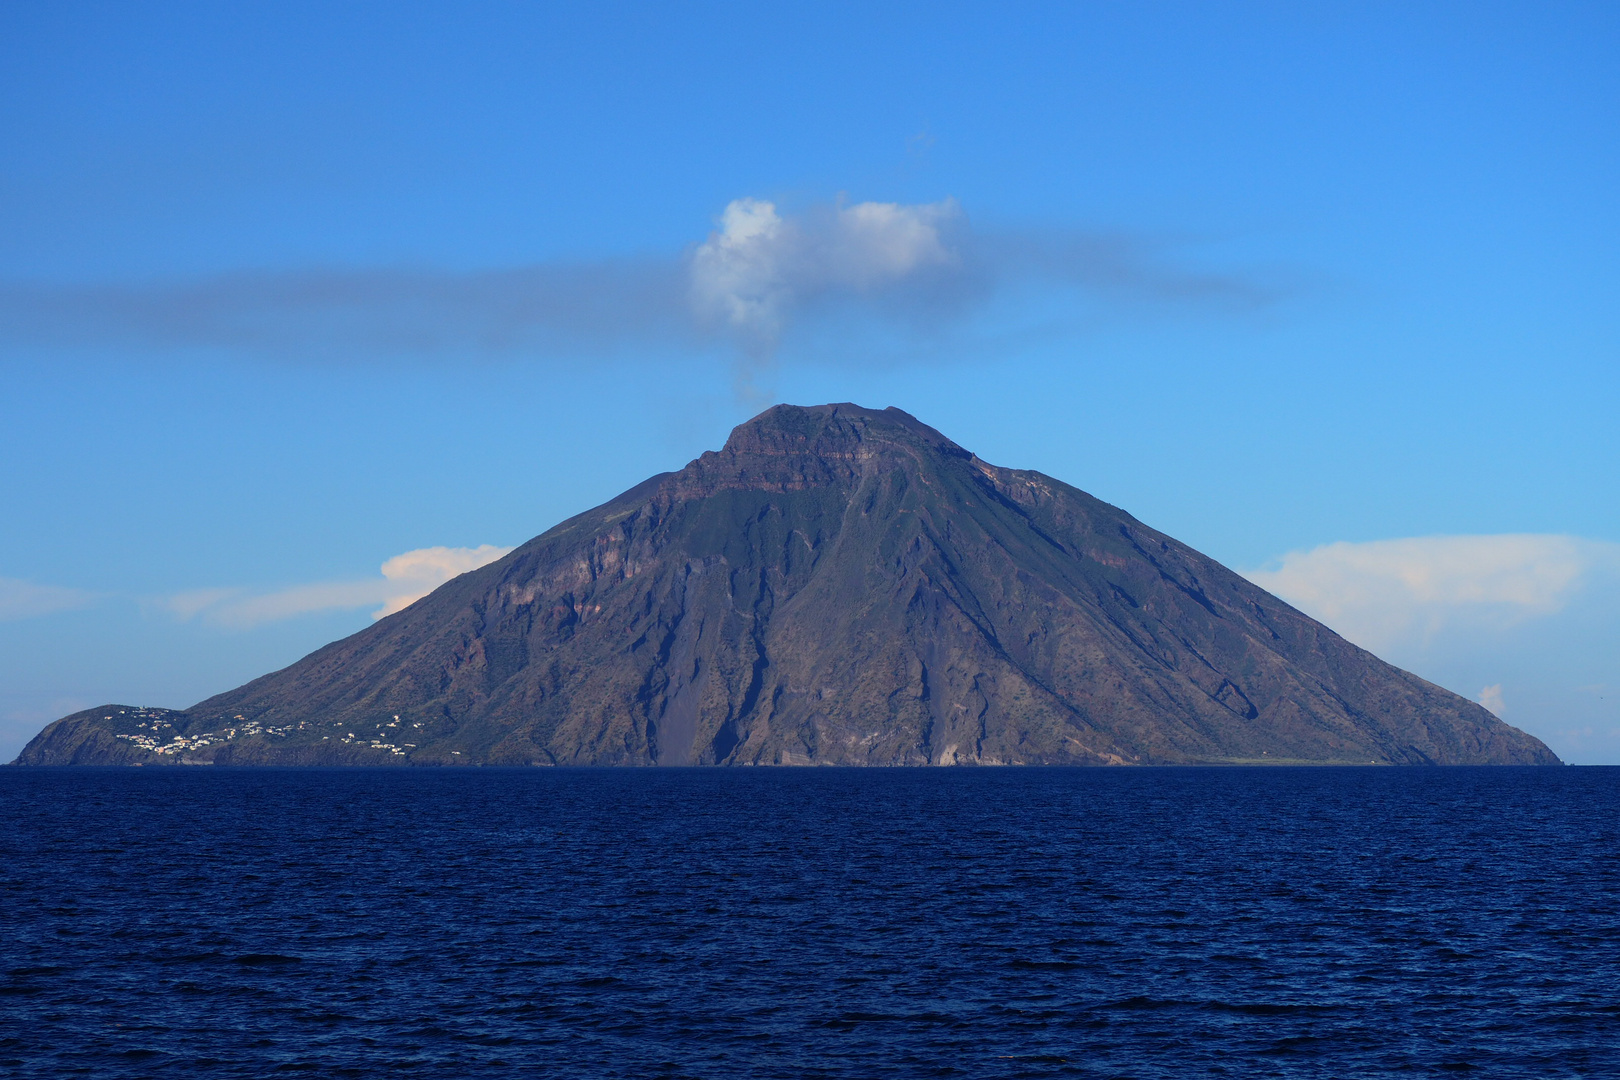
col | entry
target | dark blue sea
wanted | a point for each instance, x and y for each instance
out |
(810, 923)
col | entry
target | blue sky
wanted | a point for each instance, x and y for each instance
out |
(287, 292)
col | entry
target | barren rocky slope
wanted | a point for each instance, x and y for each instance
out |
(837, 585)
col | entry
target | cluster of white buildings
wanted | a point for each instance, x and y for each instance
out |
(154, 732)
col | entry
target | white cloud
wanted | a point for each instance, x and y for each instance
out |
(1384, 592)
(414, 574)
(24, 599)
(1533, 618)
(753, 272)
(405, 579)
(190, 604)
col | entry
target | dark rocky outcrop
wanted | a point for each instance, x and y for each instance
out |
(837, 585)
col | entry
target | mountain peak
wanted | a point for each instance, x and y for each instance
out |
(833, 428)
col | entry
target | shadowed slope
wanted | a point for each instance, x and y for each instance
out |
(837, 585)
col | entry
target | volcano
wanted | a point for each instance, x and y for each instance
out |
(837, 585)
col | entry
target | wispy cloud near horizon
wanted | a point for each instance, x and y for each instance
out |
(21, 599)
(1382, 593)
(405, 579)
(757, 278)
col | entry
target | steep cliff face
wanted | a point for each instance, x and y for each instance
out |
(837, 585)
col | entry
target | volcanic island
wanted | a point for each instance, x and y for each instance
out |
(836, 586)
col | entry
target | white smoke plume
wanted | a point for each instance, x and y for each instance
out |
(762, 274)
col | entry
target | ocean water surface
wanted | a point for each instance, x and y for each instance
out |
(810, 922)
